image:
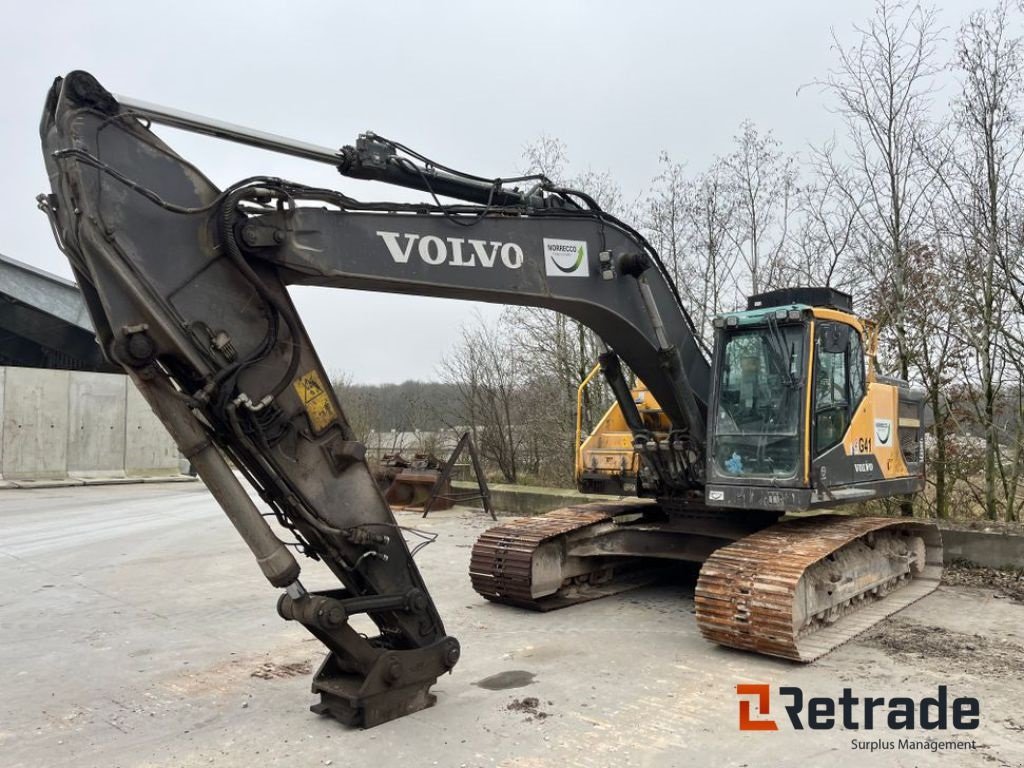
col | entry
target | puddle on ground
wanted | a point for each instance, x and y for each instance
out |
(514, 678)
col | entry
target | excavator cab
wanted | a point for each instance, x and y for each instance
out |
(797, 419)
(757, 423)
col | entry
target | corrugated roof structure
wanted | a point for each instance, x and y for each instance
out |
(44, 322)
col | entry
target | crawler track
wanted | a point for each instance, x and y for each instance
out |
(749, 593)
(501, 565)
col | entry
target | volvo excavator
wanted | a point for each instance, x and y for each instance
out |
(186, 285)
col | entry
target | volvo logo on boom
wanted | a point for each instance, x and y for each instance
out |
(453, 251)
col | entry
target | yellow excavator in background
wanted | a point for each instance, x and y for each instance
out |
(186, 285)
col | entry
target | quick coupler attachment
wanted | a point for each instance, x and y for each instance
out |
(364, 682)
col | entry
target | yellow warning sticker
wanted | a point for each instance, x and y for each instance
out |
(315, 399)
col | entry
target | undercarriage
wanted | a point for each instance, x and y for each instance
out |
(794, 589)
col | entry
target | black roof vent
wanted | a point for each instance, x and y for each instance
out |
(814, 297)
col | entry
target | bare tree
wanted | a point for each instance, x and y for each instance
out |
(666, 215)
(712, 255)
(547, 155)
(934, 306)
(688, 221)
(486, 369)
(360, 409)
(762, 179)
(827, 244)
(1012, 269)
(883, 86)
(982, 182)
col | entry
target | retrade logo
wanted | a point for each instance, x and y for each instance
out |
(565, 258)
(850, 712)
(762, 695)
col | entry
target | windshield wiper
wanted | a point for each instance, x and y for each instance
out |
(776, 344)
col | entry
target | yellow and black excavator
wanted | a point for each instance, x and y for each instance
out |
(186, 286)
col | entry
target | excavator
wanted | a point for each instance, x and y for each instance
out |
(186, 285)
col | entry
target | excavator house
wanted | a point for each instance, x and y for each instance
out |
(187, 288)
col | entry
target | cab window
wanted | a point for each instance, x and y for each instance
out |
(838, 382)
(856, 358)
(761, 383)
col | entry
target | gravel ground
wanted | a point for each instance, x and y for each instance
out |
(1005, 582)
(137, 632)
(974, 653)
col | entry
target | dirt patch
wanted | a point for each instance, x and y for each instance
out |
(514, 678)
(270, 670)
(530, 706)
(971, 654)
(1008, 583)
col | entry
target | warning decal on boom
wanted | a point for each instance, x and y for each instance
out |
(316, 401)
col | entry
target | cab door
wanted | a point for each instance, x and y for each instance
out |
(838, 382)
(837, 391)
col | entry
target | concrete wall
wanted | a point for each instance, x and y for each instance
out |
(76, 425)
(35, 415)
(990, 548)
(96, 426)
(149, 450)
(526, 500)
(3, 379)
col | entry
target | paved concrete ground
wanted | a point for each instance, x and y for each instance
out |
(135, 630)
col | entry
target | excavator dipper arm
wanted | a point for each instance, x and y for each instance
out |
(214, 344)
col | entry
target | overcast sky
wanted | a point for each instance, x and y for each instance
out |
(467, 83)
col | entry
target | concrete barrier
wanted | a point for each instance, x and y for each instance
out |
(528, 500)
(994, 549)
(35, 424)
(96, 425)
(71, 427)
(149, 450)
(3, 378)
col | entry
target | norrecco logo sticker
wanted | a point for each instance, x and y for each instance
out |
(883, 431)
(565, 258)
